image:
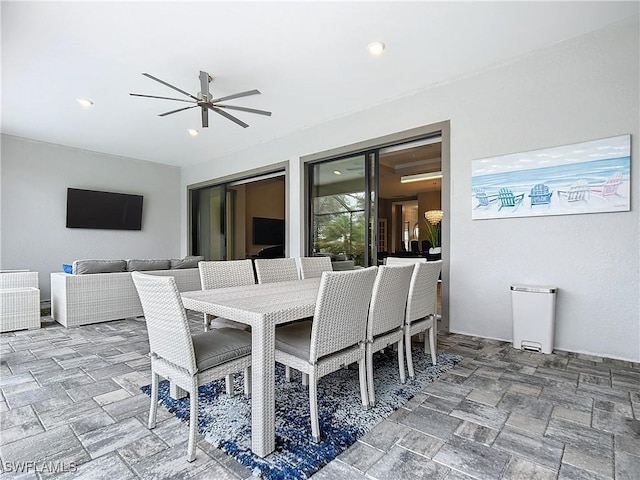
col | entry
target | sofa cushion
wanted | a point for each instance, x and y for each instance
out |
(81, 267)
(186, 262)
(142, 265)
(67, 268)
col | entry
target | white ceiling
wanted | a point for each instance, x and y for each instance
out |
(307, 58)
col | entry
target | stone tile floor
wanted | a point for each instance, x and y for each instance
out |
(71, 400)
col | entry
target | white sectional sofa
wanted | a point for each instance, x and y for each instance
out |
(82, 299)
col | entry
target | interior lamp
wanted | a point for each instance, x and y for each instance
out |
(434, 217)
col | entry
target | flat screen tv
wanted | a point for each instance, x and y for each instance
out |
(103, 210)
(268, 231)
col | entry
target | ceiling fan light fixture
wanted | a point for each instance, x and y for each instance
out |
(85, 103)
(193, 132)
(376, 48)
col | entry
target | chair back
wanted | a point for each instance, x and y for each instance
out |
(423, 291)
(169, 336)
(312, 267)
(615, 179)
(389, 300)
(340, 318)
(220, 274)
(271, 270)
(18, 279)
(540, 194)
(578, 191)
(405, 260)
(506, 197)
(611, 185)
(483, 199)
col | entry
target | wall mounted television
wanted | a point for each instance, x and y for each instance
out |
(268, 231)
(103, 210)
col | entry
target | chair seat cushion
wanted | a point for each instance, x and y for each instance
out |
(295, 339)
(221, 345)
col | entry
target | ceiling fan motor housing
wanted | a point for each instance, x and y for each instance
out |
(206, 98)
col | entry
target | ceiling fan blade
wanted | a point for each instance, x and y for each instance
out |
(229, 116)
(204, 84)
(176, 111)
(162, 98)
(169, 85)
(245, 109)
(236, 95)
(205, 117)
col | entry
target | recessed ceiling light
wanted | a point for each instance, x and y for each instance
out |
(376, 48)
(192, 132)
(84, 102)
(337, 172)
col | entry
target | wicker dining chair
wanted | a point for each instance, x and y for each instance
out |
(271, 270)
(312, 267)
(186, 360)
(335, 337)
(386, 317)
(404, 260)
(220, 274)
(422, 305)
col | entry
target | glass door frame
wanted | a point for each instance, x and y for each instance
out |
(194, 198)
(279, 169)
(371, 195)
(442, 128)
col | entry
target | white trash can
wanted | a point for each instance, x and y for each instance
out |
(533, 310)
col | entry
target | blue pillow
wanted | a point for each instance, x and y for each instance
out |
(67, 268)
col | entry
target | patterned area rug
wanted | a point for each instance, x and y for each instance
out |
(225, 421)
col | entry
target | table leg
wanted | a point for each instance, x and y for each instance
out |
(263, 388)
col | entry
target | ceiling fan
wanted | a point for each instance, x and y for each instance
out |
(204, 99)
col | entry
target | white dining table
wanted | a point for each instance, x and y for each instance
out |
(262, 306)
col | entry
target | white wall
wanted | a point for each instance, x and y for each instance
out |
(583, 89)
(34, 180)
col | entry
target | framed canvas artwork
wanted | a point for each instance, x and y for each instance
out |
(587, 177)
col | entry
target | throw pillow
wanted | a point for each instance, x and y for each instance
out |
(186, 262)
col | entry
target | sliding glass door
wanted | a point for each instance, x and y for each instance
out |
(342, 209)
(223, 218)
(368, 205)
(208, 207)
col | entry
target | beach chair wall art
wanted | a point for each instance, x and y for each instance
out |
(508, 199)
(587, 177)
(483, 199)
(540, 195)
